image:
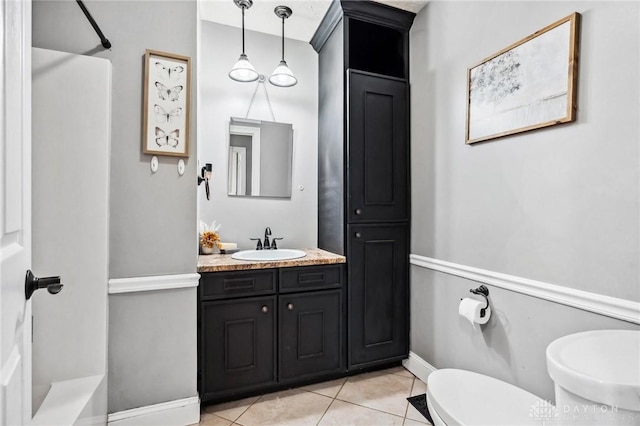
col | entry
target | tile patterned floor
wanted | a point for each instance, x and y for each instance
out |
(370, 399)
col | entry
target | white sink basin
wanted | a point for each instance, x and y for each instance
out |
(602, 366)
(268, 255)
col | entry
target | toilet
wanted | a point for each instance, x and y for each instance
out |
(596, 376)
(460, 397)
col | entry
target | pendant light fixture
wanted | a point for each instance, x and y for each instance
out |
(243, 70)
(282, 75)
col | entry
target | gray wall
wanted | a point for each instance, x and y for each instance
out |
(559, 205)
(155, 358)
(152, 216)
(220, 98)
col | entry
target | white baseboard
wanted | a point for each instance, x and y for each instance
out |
(180, 412)
(418, 366)
(91, 421)
(625, 310)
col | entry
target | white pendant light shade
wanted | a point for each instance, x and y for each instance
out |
(282, 76)
(243, 70)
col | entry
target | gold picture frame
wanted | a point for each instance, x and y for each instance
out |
(167, 104)
(529, 85)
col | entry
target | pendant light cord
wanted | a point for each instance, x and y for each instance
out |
(242, 30)
(283, 38)
(261, 81)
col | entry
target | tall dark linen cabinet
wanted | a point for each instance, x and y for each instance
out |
(363, 171)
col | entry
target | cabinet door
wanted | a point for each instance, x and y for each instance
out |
(378, 285)
(237, 346)
(378, 172)
(310, 334)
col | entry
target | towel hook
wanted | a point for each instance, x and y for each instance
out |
(484, 292)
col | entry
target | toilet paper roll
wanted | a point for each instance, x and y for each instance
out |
(470, 310)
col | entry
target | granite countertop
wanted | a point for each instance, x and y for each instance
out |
(224, 262)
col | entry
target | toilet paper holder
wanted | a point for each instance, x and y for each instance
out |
(484, 292)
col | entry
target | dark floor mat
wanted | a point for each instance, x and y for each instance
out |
(420, 402)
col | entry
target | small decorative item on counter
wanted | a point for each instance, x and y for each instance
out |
(209, 238)
(227, 248)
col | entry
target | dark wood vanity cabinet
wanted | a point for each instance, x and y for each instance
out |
(363, 170)
(311, 330)
(237, 345)
(267, 328)
(378, 293)
(378, 147)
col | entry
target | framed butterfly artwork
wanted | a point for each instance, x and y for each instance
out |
(167, 88)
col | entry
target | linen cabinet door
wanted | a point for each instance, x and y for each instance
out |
(378, 283)
(310, 334)
(378, 172)
(237, 346)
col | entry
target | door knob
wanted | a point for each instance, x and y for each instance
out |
(264, 309)
(358, 211)
(290, 306)
(33, 283)
(358, 234)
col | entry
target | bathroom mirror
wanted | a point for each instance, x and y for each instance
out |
(260, 155)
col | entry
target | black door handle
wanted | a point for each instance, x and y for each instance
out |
(33, 283)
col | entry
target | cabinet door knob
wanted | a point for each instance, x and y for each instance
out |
(265, 309)
(358, 234)
(290, 306)
(358, 211)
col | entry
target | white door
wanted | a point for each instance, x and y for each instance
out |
(15, 212)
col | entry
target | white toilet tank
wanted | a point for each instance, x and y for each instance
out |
(597, 377)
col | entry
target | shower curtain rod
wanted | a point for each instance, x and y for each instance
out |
(105, 43)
